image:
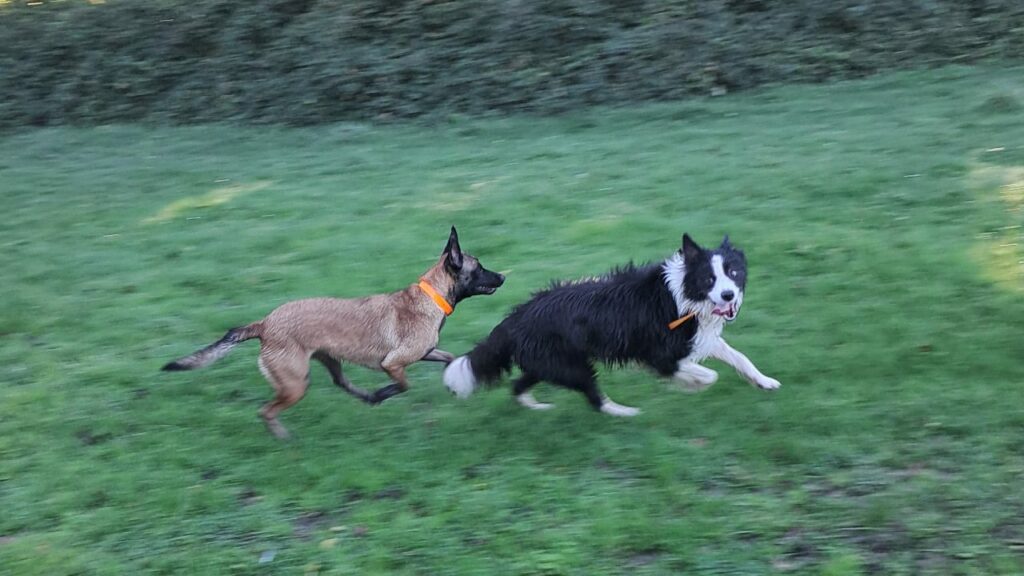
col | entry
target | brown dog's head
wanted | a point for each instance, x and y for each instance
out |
(470, 277)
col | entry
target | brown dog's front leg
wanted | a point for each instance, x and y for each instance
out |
(438, 355)
(397, 386)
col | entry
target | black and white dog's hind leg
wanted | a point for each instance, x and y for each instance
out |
(615, 409)
(585, 381)
(522, 394)
(574, 373)
(743, 366)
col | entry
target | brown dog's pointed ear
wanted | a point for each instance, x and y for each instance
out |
(452, 252)
(690, 250)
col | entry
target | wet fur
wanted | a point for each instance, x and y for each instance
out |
(560, 333)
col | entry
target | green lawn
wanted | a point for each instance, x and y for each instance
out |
(882, 221)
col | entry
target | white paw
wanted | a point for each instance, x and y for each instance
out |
(527, 399)
(691, 387)
(767, 383)
(694, 378)
(613, 409)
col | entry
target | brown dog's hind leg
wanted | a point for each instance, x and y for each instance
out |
(334, 367)
(288, 373)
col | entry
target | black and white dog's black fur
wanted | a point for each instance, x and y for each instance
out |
(621, 317)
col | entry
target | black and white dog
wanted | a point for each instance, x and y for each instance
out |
(668, 316)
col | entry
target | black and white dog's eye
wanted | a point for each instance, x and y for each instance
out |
(733, 273)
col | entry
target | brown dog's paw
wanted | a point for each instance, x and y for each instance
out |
(384, 393)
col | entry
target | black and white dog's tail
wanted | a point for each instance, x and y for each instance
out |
(485, 363)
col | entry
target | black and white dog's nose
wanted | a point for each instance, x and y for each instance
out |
(728, 295)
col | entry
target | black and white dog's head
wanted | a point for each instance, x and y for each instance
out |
(710, 281)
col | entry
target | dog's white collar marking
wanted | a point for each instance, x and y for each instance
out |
(673, 271)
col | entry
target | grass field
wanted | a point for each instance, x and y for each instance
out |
(882, 221)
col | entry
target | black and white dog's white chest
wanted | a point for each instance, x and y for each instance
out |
(705, 339)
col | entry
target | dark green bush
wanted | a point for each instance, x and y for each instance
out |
(310, 61)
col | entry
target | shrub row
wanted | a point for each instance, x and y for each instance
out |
(312, 61)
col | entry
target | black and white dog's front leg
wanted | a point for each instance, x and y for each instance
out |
(693, 377)
(743, 366)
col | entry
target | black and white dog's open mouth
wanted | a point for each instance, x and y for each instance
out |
(728, 311)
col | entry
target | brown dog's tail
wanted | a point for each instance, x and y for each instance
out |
(218, 349)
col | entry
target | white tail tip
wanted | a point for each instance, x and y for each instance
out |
(459, 378)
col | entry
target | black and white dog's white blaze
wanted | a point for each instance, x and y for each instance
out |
(621, 317)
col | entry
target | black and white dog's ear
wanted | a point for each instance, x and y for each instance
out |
(691, 250)
(452, 252)
(726, 245)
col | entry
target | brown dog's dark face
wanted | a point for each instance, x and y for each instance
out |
(471, 278)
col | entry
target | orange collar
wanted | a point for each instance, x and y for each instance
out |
(436, 297)
(679, 321)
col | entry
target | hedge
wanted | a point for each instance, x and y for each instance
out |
(311, 61)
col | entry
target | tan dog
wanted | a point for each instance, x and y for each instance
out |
(385, 332)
